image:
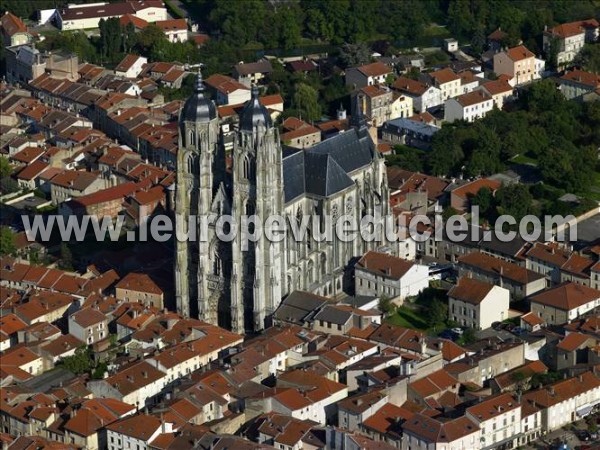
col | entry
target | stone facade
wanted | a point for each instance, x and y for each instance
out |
(237, 286)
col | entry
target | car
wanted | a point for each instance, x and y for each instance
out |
(497, 325)
(593, 435)
(448, 334)
(583, 435)
(457, 330)
(518, 330)
(510, 326)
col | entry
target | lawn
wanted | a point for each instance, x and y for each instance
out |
(408, 318)
(524, 159)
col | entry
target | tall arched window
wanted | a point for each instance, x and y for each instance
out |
(248, 168)
(192, 163)
(250, 208)
(323, 264)
(217, 262)
(191, 137)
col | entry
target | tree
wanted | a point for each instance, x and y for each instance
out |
(406, 157)
(484, 199)
(111, 38)
(478, 41)
(66, 257)
(437, 313)
(468, 336)
(515, 200)
(7, 241)
(385, 305)
(449, 212)
(5, 167)
(306, 102)
(589, 58)
(352, 55)
(80, 362)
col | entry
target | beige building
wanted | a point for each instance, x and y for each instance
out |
(25, 63)
(500, 90)
(422, 432)
(564, 303)
(499, 419)
(518, 63)
(72, 183)
(477, 304)
(139, 287)
(14, 31)
(566, 40)
(88, 325)
(577, 83)
(448, 82)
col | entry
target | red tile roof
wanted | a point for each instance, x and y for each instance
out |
(567, 296)
(384, 264)
(470, 290)
(374, 69)
(11, 24)
(519, 53)
(139, 282)
(573, 341)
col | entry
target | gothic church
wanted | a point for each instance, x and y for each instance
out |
(239, 288)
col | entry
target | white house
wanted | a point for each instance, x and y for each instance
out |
(228, 91)
(380, 274)
(469, 107)
(131, 66)
(477, 304)
(568, 39)
(86, 16)
(499, 419)
(88, 325)
(424, 96)
(135, 432)
(564, 303)
(422, 432)
(176, 30)
(367, 75)
(500, 90)
(448, 82)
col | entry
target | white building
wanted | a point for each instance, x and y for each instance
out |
(568, 39)
(176, 30)
(448, 82)
(423, 95)
(422, 432)
(135, 432)
(228, 91)
(469, 107)
(87, 16)
(477, 304)
(131, 66)
(499, 419)
(380, 274)
(564, 303)
(500, 91)
(367, 75)
(88, 325)
(518, 63)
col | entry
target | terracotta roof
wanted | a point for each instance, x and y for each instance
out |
(172, 75)
(410, 86)
(135, 20)
(527, 370)
(224, 84)
(431, 430)
(470, 290)
(567, 296)
(384, 264)
(78, 180)
(127, 62)
(17, 357)
(374, 91)
(578, 265)
(492, 407)
(359, 403)
(172, 25)
(573, 341)
(532, 319)
(28, 154)
(472, 188)
(562, 390)
(433, 383)
(497, 35)
(139, 282)
(118, 192)
(497, 87)
(519, 53)
(374, 69)
(11, 24)
(385, 419)
(472, 98)
(88, 317)
(141, 426)
(582, 77)
(134, 377)
(62, 344)
(499, 267)
(10, 324)
(444, 76)
(549, 253)
(573, 28)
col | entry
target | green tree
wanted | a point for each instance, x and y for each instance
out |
(484, 199)
(66, 257)
(5, 167)
(111, 37)
(385, 305)
(306, 102)
(352, 55)
(406, 157)
(7, 241)
(437, 313)
(80, 362)
(478, 40)
(515, 200)
(589, 58)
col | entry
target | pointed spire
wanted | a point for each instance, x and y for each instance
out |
(254, 91)
(199, 81)
(358, 119)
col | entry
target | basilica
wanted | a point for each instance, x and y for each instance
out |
(239, 286)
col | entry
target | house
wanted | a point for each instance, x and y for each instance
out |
(136, 384)
(352, 411)
(252, 73)
(299, 134)
(176, 30)
(432, 387)
(85, 426)
(500, 91)
(469, 81)
(564, 42)
(381, 104)
(450, 45)
(564, 303)
(74, 183)
(407, 131)
(447, 81)
(496, 39)
(104, 203)
(424, 96)
(139, 287)
(83, 17)
(565, 401)
(22, 359)
(422, 432)
(228, 91)
(131, 66)
(88, 325)
(531, 322)
(460, 197)
(521, 282)
(380, 274)
(477, 304)
(13, 30)
(518, 63)
(574, 350)
(25, 63)
(343, 319)
(135, 432)
(576, 83)
(517, 378)
(469, 107)
(499, 419)
(367, 75)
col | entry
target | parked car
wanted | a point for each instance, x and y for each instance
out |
(497, 326)
(458, 331)
(583, 435)
(518, 330)
(448, 334)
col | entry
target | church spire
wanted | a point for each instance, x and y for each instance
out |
(357, 120)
